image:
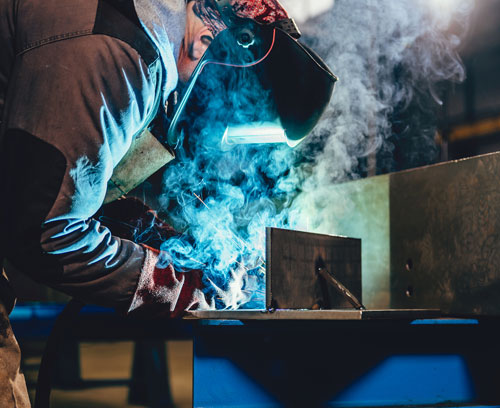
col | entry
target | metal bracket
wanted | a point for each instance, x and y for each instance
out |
(327, 277)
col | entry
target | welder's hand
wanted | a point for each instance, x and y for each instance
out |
(131, 219)
(164, 292)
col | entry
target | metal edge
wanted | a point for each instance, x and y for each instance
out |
(348, 314)
(404, 314)
(269, 293)
(332, 315)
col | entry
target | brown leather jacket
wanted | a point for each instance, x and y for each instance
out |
(79, 81)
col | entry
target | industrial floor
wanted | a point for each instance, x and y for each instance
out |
(104, 361)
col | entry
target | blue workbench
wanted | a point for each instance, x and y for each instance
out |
(346, 363)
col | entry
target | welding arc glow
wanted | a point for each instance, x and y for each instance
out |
(248, 188)
(253, 133)
(198, 70)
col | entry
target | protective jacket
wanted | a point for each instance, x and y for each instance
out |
(79, 81)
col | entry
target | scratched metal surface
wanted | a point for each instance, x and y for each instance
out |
(291, 278)
(445, 237)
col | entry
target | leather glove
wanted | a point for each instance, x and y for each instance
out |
(162, 291)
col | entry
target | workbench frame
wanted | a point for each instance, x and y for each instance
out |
(346, 363)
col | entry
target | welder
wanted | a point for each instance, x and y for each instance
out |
(80, 83)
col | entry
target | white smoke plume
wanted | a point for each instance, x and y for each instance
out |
(391, 56)
(302, 11)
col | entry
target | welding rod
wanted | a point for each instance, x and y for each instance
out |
(323, 272)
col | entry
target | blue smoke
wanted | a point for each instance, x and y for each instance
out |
(223, 200)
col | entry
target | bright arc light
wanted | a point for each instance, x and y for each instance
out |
(254, 133)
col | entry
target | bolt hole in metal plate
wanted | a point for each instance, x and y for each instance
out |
(292, 281)
(293, 286)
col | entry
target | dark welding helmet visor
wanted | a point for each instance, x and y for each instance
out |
(255, 84)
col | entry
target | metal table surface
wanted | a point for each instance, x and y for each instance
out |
(338, 314)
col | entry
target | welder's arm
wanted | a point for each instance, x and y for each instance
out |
(77, 105)
(161, 290)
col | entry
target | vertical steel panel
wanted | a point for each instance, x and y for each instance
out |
(445, 237)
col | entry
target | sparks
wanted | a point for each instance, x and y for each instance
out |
(201, 201)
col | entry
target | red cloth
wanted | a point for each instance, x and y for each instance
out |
(262, 11)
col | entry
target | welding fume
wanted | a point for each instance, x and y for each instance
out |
(97, 95)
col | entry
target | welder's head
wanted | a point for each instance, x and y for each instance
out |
(215, 14)
(204, 22)
(246, 72)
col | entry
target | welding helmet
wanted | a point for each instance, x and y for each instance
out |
(256, 83)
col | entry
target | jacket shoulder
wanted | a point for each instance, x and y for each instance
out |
(40, 23)
(118, 18)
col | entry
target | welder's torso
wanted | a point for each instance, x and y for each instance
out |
(79, 81)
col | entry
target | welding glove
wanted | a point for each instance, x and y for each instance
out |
(131, 219)
(162, 291)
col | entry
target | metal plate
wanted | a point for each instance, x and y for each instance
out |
(445, 237)
(291, 278)
(431, 236)
(408, 314)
